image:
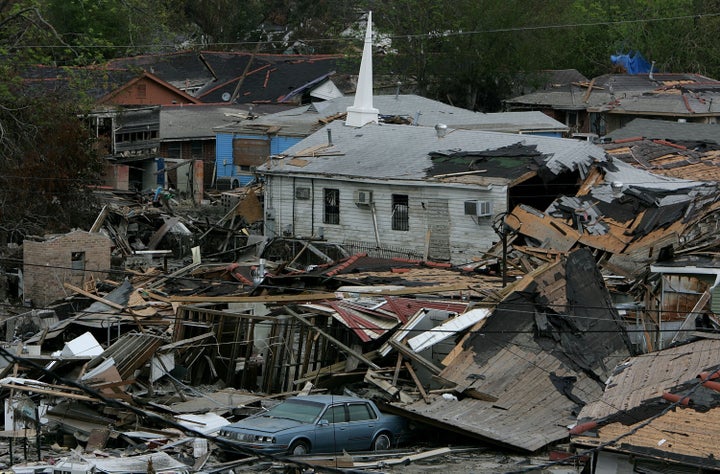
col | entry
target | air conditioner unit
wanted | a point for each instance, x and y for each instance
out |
(363, 197)
(478, 208)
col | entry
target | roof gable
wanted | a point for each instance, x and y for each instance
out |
(147, 89)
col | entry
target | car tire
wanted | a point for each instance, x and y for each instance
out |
(382, 442)
(299, 448)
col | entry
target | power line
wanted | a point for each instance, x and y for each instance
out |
(428, 35)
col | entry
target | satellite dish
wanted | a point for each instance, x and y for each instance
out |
(226, 97)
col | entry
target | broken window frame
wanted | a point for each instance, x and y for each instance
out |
(400, 212)
(331, 206)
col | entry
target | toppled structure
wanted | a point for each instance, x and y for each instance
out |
(522, 374)
(660, 408)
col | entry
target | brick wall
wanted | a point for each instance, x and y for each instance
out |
(48, 265)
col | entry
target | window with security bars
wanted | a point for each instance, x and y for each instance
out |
(332, 206)
(400, 219)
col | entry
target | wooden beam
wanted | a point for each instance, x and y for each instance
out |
(407, 352)
(184, 342)
(94, 297)
(254, 299)
(417, 382)
(422, 290)
(398, 366)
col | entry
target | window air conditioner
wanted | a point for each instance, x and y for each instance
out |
(363, 197)
(478, 208)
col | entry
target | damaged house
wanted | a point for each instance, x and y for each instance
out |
(434, 192)
(521, 375)
(73, 258)
(608, 102)
(658, 413)
(396, 186)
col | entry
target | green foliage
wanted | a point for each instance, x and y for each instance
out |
(96, 30)
(46, 153)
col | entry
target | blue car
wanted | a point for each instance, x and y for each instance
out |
(318, 424)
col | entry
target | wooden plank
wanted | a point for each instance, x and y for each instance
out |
(254, 299)
(160, 233)
(417, 382)
(407, 352)
(93, 296)
(55, 393)
(387, 387)
(403, 461)
(99, 220)
(398, 366)
(184, 342)
(327, 336)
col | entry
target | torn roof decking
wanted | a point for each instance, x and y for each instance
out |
(666, 159)
(633, 223)
(633, 394)
(524, 372)
(403, 153)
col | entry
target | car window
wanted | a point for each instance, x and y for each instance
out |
(336, 414)
(298, 410)
(360, 411)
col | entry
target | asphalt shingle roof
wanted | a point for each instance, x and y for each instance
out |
(668, 130)
(403, 152)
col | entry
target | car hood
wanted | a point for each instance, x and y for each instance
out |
(268, 424)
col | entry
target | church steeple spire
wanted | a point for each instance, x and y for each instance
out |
(362, 110)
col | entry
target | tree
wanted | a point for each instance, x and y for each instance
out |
(46, 152)
(97, 30)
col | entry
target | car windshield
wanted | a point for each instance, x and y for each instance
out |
(298, 410)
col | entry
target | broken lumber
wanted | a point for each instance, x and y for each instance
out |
(327, 336)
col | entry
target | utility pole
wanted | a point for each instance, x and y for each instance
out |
(504, 231)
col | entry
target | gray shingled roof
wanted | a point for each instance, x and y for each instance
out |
(668, 130)
(304, 120)
(402, 151)
(610, 88)
(669, 104)
(199, 121)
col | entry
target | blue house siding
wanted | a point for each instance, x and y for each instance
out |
(546, 134)
(224, 153)
(278, 144)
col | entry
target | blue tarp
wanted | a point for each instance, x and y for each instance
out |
(634, 63)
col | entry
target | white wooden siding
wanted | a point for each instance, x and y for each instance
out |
(469, 236)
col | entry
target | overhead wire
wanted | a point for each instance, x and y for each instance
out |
(558, 308)
(427, 35)
(151, 416)
(508, 332)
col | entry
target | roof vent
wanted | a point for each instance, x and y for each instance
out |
(616, 187)
(440, 130)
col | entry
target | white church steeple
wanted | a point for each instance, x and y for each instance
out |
(362, 110)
